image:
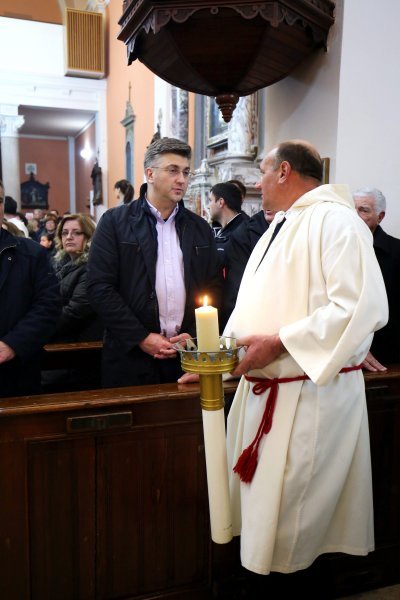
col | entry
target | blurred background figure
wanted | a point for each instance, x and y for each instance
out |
(47, 241)
(34, 228)
(11, 215)
(49, 224)
(124, 191)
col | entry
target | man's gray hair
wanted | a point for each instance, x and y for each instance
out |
(380, 200)
(166, 146)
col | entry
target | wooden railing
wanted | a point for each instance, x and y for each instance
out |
(103, 495)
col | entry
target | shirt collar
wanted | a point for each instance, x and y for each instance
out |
(157, 213)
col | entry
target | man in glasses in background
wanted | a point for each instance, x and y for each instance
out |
(149, 264)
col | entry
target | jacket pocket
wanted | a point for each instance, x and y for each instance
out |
(200, 250)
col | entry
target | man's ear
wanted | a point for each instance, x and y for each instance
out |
(381, 215)
(284, 171)
(221, 202)
(149, 173)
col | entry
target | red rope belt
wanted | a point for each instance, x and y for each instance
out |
(247, 462)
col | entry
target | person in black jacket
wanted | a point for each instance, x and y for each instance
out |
(241, 245)
(30, 306)
(149, 264)
(78, 322)
(225, 207)
(385, 348)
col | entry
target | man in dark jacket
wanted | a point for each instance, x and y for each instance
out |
(226, 208)
(241, 245)
(371, 206)
(30, 307)
(150, 263)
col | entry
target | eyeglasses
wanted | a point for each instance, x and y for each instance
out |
(175, 171)
(66, 233)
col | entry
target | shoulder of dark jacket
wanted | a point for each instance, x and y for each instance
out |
(385, 242)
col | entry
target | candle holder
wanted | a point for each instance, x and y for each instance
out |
(210, 366)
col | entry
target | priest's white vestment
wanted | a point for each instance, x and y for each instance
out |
(320, 286)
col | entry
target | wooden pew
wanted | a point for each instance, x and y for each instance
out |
(80, 361)
(103, 495)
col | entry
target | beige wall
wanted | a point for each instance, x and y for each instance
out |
(142, 100)
(51, 158)
(47, 11)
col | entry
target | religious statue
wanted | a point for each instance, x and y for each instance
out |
(97, 184)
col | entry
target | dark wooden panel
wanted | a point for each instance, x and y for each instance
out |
(62, 518)
(152, 514)
(14, 557)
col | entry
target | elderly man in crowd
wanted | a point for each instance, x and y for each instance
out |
(385, 349)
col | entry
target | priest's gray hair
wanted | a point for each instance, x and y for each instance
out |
(380, 200)
(166, 146)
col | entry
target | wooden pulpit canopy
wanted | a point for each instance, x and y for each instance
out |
(224, 48)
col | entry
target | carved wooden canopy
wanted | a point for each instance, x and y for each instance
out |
(224, 48)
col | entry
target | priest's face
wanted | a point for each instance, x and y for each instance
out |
(269, 183)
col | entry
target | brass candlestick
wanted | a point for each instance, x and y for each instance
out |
(210, 366)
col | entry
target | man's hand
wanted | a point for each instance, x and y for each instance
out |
(180, 338)
(157, 346)
(261, 351)
(6, 353)
(189, 378)
(371, 364)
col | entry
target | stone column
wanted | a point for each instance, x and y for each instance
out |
(240, 160)
(10, 122)
(179, 113)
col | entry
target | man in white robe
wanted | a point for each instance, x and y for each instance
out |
(306, 307)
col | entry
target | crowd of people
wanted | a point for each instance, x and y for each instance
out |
(303, 285)
(152, 260)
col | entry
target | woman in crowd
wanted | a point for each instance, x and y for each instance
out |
(123, 191)
(78, 321)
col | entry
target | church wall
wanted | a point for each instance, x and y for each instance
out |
(368, 124)
(142, 100)
(51, 158)
(83, 168)
(47, 11)
(305, 104)
(41, 52)
(346, 101)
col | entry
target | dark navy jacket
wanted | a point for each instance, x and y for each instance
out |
(386, 343)
(30, 306)
(241, 245)
(121, 284)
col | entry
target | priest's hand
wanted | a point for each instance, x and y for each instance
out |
(261, 350)
(370, 363)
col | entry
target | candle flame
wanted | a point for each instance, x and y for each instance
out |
(205, 301)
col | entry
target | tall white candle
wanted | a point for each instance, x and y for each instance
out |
(207, 328)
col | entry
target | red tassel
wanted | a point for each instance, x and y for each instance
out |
(246, 464)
